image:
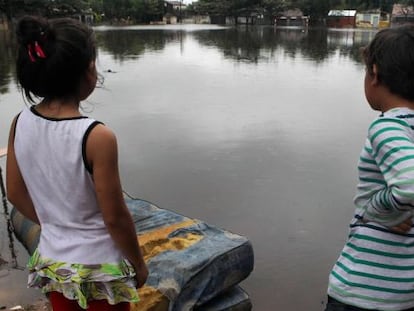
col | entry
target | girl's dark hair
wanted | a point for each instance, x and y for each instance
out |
(392, 51)
(52, 56)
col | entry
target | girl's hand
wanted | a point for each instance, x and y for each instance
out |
(141, 274)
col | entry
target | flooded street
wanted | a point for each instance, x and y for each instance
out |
(254, 130)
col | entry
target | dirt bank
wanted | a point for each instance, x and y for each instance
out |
(39, 305)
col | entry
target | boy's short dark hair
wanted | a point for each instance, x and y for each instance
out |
(392, 51)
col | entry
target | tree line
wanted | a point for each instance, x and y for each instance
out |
(316, 9)
(138, 10)
(144, 11)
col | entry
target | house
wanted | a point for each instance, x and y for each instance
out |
(174, 12)
(170, 19)
(292, 17)
(252, 17)
(85, 17)
(372, 19)
(341, 18)
(170, 13)
(402, 14)
(177, 5)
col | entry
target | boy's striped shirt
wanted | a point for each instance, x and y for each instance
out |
(376, 267)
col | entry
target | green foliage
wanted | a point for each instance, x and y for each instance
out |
(116, 8)
(315, 8)
(96, 6)
(43, 7)
(147, 10)
(138, 10)
(154, 9)
(275, 6)
(5, 8)
(213, 7)
(65, 7)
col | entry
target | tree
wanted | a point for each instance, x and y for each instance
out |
(213, 7)
(154, 10)
(316, 9)
(17, 7)
(96, 6)
(5, 7)
(147, 10)
(116, 8)
(63, 7)
(232, 8)
(273, 7)
(138, 10)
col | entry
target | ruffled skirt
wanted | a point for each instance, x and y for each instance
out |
(112, 282)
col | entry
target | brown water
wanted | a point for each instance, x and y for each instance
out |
(255, 130)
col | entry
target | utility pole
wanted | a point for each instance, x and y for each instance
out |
(181, 4)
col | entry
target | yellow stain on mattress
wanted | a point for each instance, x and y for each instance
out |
(157, 241)
(153, 243)
(150, 299)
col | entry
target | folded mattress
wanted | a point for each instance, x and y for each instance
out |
(193, 265)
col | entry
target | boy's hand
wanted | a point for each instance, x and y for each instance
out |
(403, 227)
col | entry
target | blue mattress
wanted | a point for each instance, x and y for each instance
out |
(193, 265)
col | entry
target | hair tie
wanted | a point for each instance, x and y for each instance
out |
(35, 49)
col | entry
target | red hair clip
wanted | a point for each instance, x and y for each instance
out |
(37, 49)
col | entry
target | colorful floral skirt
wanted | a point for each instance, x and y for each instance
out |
(112, 282)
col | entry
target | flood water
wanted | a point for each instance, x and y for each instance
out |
(255, 130)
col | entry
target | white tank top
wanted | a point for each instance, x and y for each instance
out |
(51, 157)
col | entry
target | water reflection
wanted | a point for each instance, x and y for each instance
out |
(130, 44)
(243, 44)
(257, 44)
(6, 60)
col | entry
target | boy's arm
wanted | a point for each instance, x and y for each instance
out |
(384, 209)
(393, 152)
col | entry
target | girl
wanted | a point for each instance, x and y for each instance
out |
(62, 173)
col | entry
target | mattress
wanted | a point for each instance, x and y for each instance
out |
(193, 265)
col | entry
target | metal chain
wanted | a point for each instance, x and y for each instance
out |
(9, 223)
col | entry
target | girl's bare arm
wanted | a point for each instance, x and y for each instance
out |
(102, 155)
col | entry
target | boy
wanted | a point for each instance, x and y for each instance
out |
(375, 270)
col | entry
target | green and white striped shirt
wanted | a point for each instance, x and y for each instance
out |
(376, 267)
